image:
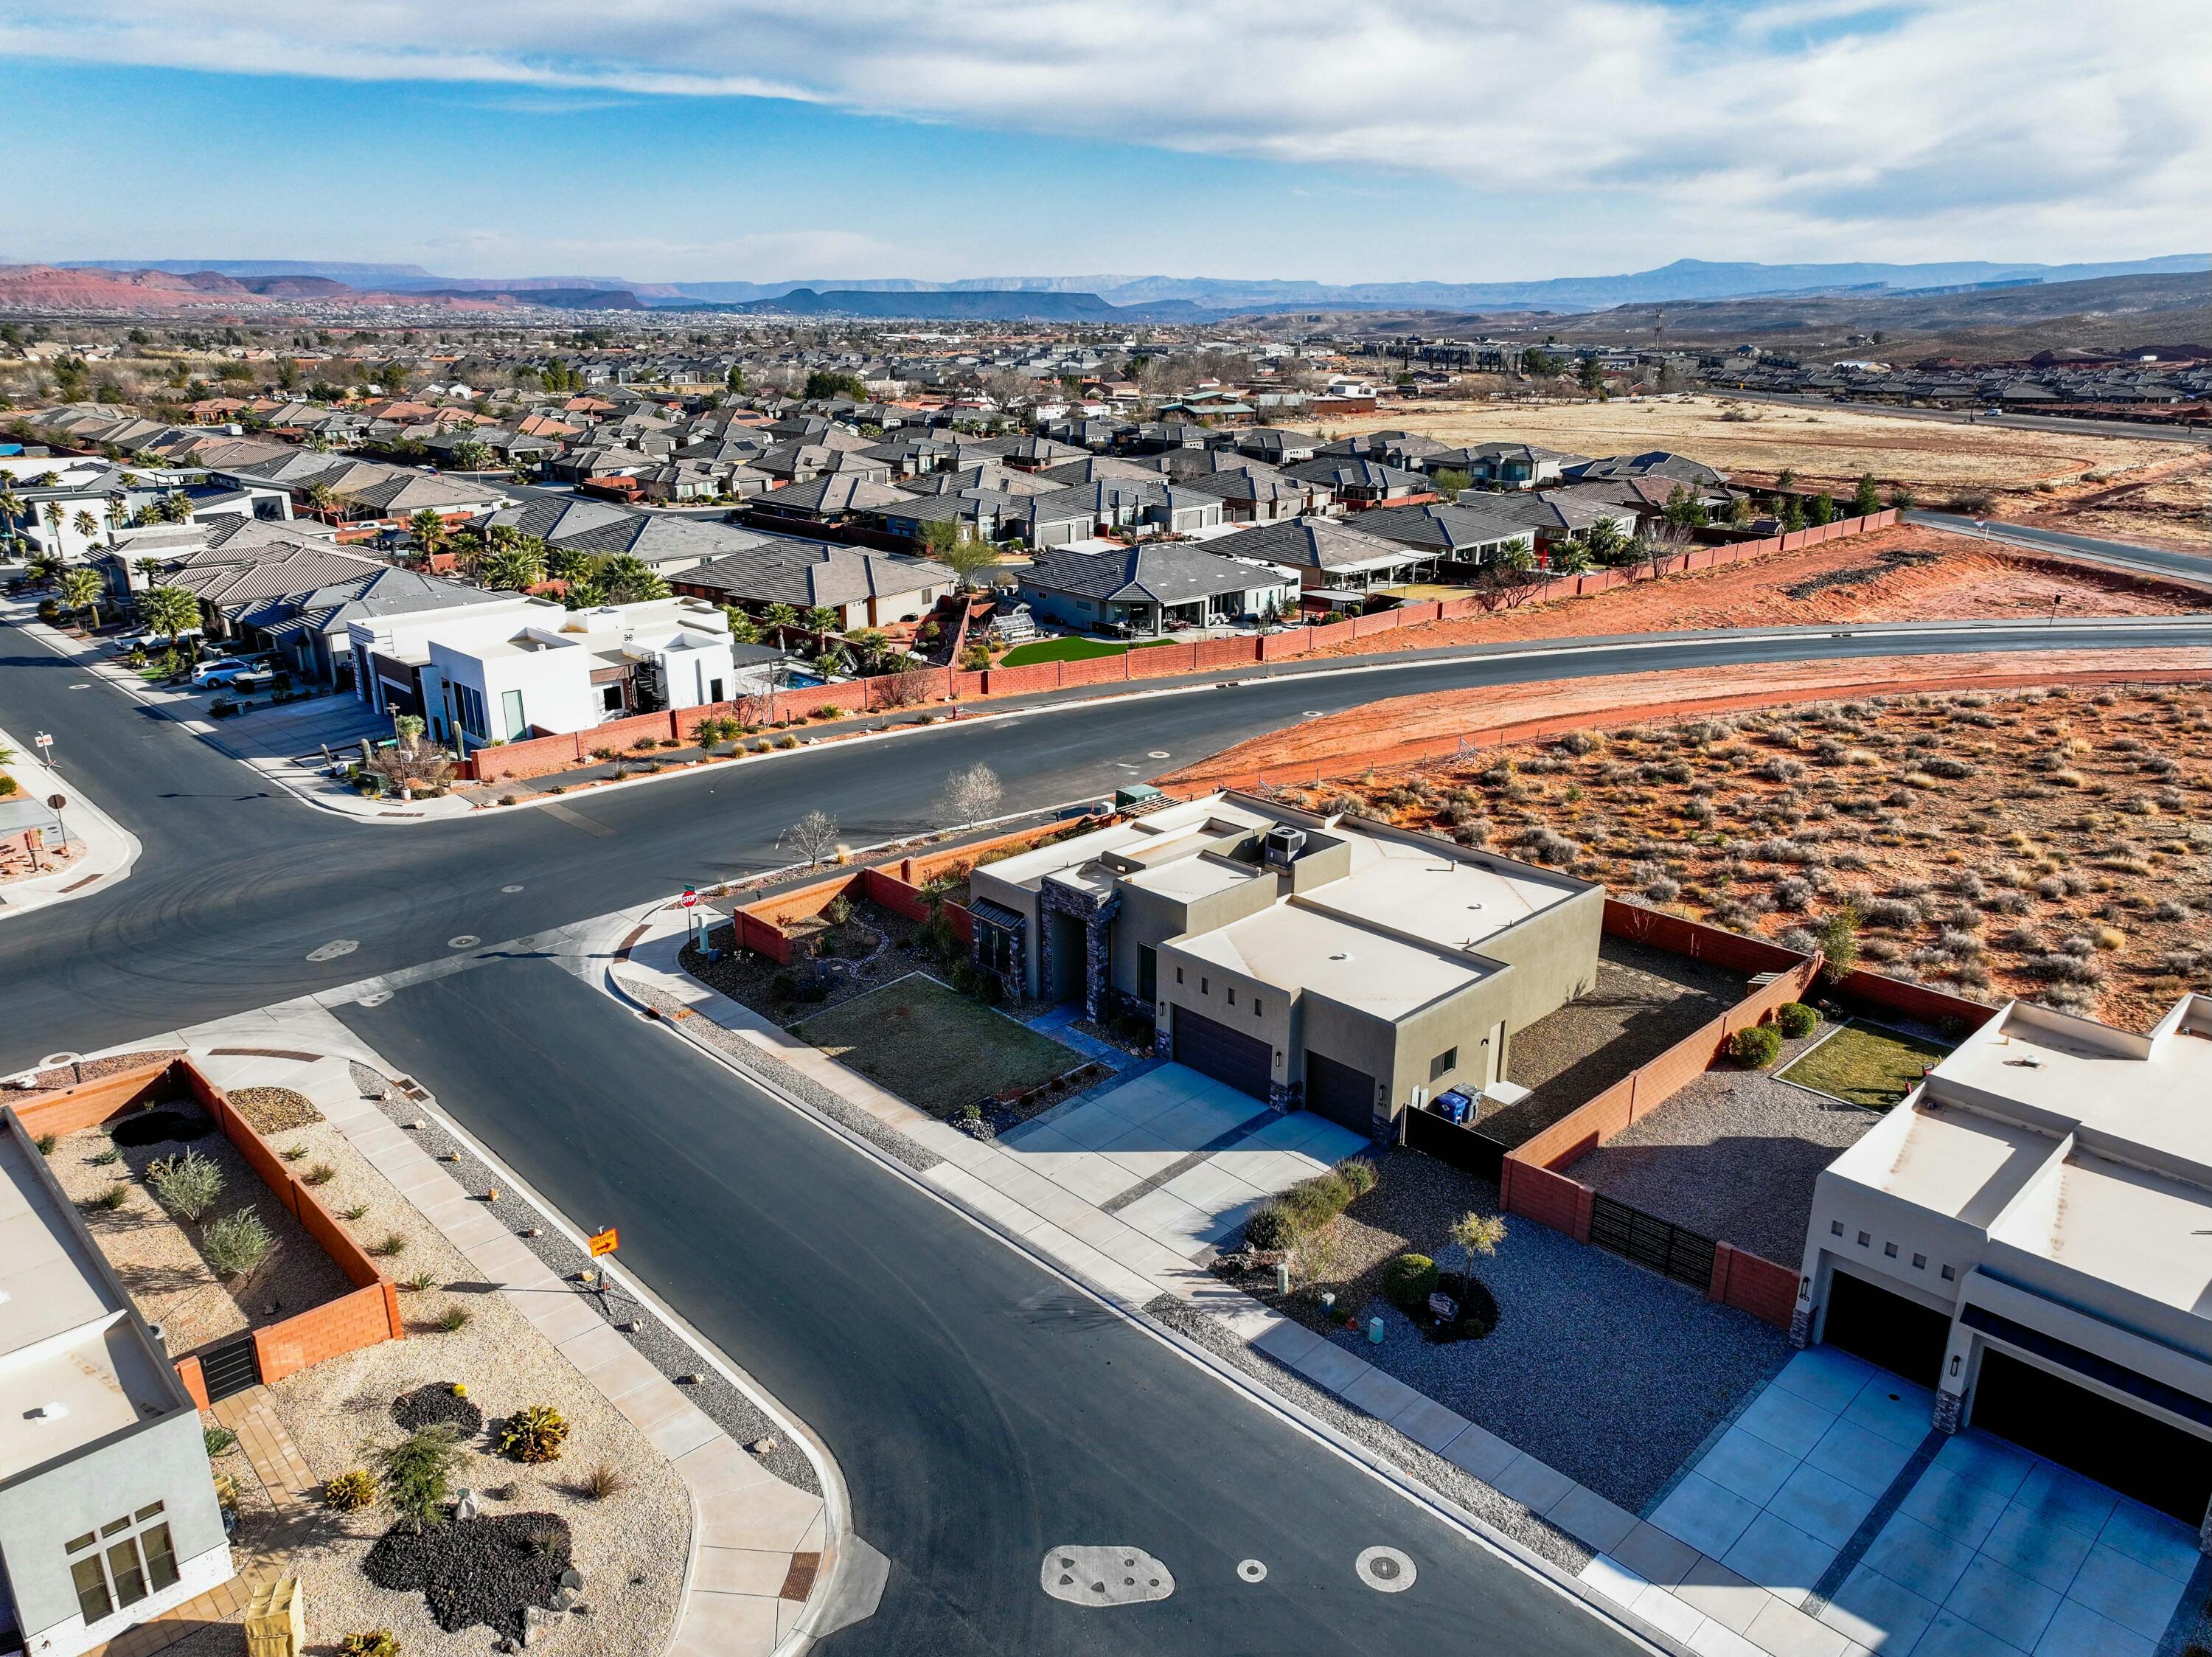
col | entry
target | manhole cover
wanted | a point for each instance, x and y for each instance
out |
(334, 948)
(1310, 713)
(55, 1061)
(1158, 753)
(1252, 1571)
(1385, 1570)
(466, 941)
(1104, 1576)
(510, 888)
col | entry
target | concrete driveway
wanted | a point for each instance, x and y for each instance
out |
(1179, 1156)
(298, 730)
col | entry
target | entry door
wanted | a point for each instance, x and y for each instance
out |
(1493, 1054)
(1885, 1328)
(2157, 1464)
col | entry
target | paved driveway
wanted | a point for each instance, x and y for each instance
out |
(298, 730)
(1179, 1156)
(1831, 1494)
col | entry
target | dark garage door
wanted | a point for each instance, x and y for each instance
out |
(1219, 1051)
(2099, 1437)
(1902, 1336)
(1339, 1092)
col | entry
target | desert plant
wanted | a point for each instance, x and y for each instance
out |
(1755, 1047)
(534, 1432)
(110, 1199)
(1358, 1174)
(109, 1157)
(602, 1480)
(420, 1281)
(321, 1174)
(453, 1320)
(1409, 1280)
(1271, 1227)
(236, 1244)
(369, 1643)
(45, 1142)
(344, 1492)
(187, 1183)
(218, 1440)
(391, 1243)
(354, 1212)
(293, 1153)
(1795, 1019)
(416, 1475)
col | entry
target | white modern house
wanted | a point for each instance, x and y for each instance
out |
(500, 672)
(2029, 1235)
(108, 1514)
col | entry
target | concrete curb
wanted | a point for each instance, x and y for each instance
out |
(111, 850)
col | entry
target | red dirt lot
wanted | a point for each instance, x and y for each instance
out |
(1900, 573)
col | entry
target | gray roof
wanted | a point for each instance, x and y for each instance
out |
(1318, 544)
(804, 573)
(1159, 574)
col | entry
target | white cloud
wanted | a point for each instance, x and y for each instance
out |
(1892, 129)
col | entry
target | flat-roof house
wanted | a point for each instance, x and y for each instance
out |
(1147, 589)
(2029, 1235)
(1349, 966)
(108, 1506)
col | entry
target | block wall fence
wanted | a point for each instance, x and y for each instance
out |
(366, 1316)
(887, 693)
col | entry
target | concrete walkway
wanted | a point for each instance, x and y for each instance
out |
(759, 1547)
(106, 850)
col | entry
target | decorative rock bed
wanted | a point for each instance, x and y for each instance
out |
(487, 1570)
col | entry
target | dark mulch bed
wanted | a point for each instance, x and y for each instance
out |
(478, 1570)
(427, 1406)
(159, 1127)
(275, 1110)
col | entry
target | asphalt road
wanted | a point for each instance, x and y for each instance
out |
(981, 1409)
(2124, 555)
(2128, 428)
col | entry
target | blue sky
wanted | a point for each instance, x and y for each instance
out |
(764, 139)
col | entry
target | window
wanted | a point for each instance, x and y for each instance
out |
(1920, 1263)
(469, 711)
(510, 703)
(1835, 1228)
(1947, 1273)
(1257, 1009)
(1233, 995)
(137, 1560)
(1889, 1251)
(1443, 1063)
(1178, 975)
(1148, 972)
(611, 698)
(1865, 1239)
(1205, 987)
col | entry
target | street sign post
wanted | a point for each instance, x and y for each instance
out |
(604, 1242)
(54, 804)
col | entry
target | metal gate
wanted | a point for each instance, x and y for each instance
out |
(1650, 1241)
(231, 1368)
(1463, 1147)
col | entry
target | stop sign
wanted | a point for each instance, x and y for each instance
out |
(690, 898)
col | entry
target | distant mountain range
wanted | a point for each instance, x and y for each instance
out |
(1103, 298)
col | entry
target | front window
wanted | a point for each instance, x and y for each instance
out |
(124, 1561)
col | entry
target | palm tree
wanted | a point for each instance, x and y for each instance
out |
(176, 508)
(629, 579)
(148, 570)
(87, 525)
(821, 618)
(510, 569)
(429, 530)
(54, 517)
(11, 510)
(118, 508)
(169, 611)
(320, 497)
(80, 590)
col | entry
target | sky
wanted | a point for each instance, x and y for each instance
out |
(1335, 140)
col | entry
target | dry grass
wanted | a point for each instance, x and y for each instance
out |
(2054, 845)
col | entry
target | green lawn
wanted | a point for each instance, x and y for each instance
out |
(1865, 1064)
(1072, 650)
(934, 1047)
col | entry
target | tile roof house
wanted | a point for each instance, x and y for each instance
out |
(1332, 555)
(1149, 589)
(867, 589)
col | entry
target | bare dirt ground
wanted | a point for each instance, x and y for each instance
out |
(2165, 504)
(1821, 445)
(1901, 574)
(2054, 844)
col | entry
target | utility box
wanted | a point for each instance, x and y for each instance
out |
(276, 1619)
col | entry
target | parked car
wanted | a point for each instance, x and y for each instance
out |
(249, 679)
(152, 641)
(218, 670)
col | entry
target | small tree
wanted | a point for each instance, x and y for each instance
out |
(429, 530)
(80, 590)
(1866, 499)
(1476, 1234)
(1839, 933)
(813, 836)
(416, 1474)
(972, 794)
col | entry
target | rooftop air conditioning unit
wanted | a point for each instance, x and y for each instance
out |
(1279, 847)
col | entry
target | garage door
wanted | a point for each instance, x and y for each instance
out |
(1883, 1327)
(1226, 1055)
(2159, 1465)
(1339, 1092)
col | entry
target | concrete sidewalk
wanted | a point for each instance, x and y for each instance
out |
(106, 849)
(762, 1551)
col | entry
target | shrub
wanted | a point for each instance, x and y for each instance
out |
(187, 1183)
(293, 1153)
(1795, 1019)
(453, 1320)
(1409, 1280)
(109, 1157)
(602, 1480)
(218, 1440)
(416, 1475)
(346, 1492)
(354, 1212)
(236, 1244)
(45, 1142)
(391, 1243)
(1315, 1201)
(321, 1174)
(534, 1432)
(1756, 1047)
(1270, 1227)
(1358, 1174)
(110, 1199)
(372, 1642)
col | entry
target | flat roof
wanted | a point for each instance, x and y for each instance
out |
(1188, 879)
(73, 1368)
(1425, 891)
(1950, 1159)
(1296, 945)
(2146, 1232)
(1173, 831)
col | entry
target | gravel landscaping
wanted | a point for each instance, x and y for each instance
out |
(1646, 1000)
(1734, 1156)
(157, 1254)
(476, 1571)
(274, 1110)
(1607, 1372)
